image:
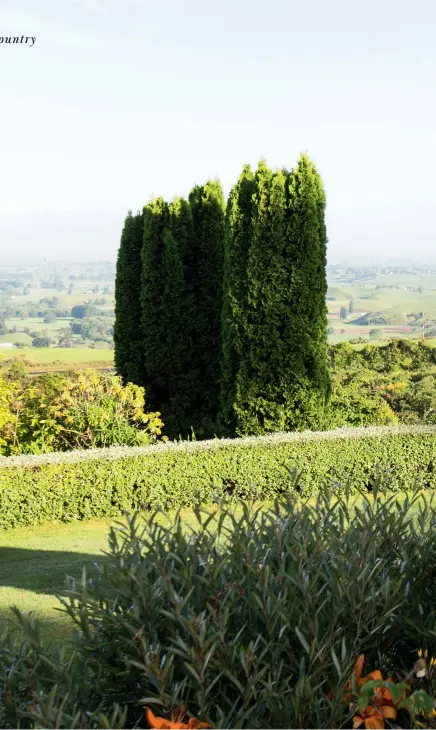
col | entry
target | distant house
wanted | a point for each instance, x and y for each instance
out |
(7, 344)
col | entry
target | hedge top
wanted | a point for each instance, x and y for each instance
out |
(122, 452)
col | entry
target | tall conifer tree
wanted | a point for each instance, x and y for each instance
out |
(156, 220)
(207, 255)
(259, 404)
(281, 380)
(234, 313)
(127, 334)
(307, 297)
(178, 315)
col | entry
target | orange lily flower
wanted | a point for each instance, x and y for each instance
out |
(376, 675)
(358, 669)
(161, 723)
(374, 718)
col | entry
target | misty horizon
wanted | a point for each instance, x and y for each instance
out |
(116, 102)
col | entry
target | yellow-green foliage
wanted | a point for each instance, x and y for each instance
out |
(87, 409)
(97, 483)
(378, 386)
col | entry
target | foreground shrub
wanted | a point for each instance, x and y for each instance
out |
(82, 410)
(84, 484)
(247, 619)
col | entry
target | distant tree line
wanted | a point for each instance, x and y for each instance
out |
(221, 309)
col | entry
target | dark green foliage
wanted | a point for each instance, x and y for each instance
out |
(178, 314)
(170, 276)
(250, 619)
(274, 376)
(80, 311)
(127, 331)
(375, 334)
(235, 293)
(173, 347)
(308, 390)
(260, 404)
(153, 280)
(343, 313)
(82, 485)
(253, 317)
(41, 342)
(206, 257)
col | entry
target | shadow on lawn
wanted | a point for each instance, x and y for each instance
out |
(51, 630)
(43, 571)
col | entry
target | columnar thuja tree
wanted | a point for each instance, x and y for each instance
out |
(127, 333)
(260, 403)
(235, 291)
(153, 279)
(207, 256)
(310, 387)
(177, 369)
(275, 377)
(230, 312)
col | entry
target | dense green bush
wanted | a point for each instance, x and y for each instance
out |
(250, 619)
(395, 383)
(396, 355)
(95, 483)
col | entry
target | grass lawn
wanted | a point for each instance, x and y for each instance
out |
(34, 563)
(17, 338)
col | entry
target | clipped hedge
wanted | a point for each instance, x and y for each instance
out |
(106, 482)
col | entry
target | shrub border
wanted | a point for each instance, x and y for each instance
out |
(107, 482)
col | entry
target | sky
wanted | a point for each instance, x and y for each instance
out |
(121, 100)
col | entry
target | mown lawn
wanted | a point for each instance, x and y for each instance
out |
(34, 563)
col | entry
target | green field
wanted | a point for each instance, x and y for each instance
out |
(395, 305)
(17, 338)
(36, 323)
(60, 356)
(82, 291)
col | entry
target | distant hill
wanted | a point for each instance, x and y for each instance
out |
(392, 317)
(372, 296)
(334, 293)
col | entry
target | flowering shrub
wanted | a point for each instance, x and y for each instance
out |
(380, 703)
(86, 409)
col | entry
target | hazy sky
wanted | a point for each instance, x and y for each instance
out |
(119, 100)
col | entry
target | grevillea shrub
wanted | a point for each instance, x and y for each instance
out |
(245, 617)
(81, 410)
